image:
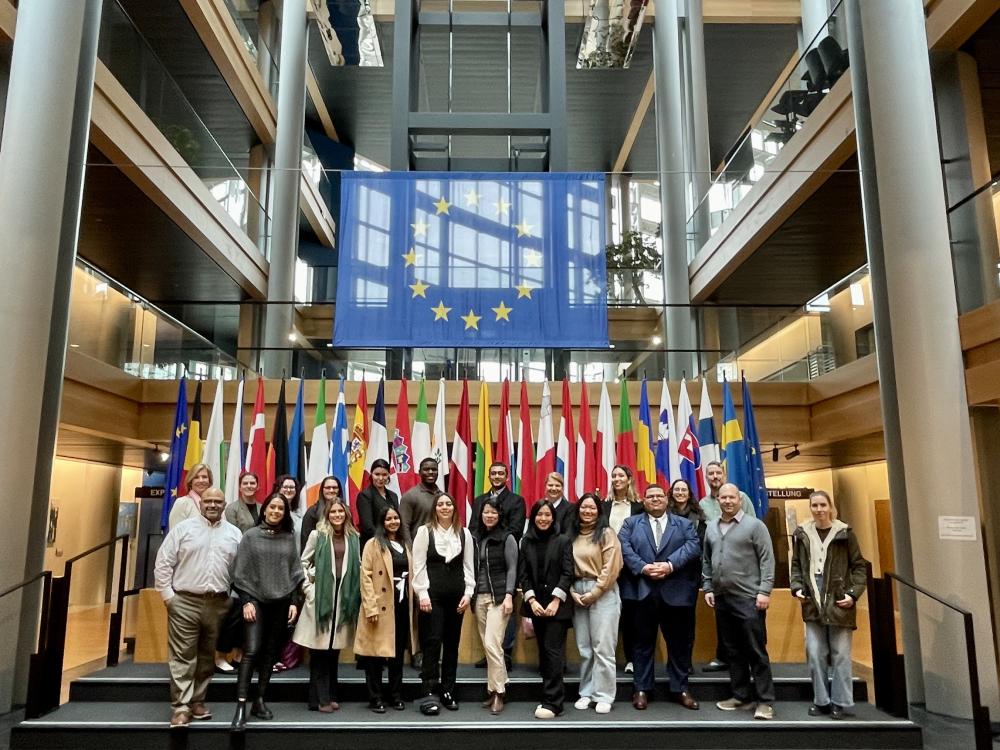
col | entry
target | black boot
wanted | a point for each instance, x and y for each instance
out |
(240, 719)
(260, 709)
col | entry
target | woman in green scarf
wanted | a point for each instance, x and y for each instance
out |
(332, 564)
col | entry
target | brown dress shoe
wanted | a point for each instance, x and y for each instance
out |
(180, 718)
(687, 700)
(489, 700)
(200, 712)
(640, 701)
(497, 705)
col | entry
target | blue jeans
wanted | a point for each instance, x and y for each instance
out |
(829, 642)
(596, 629)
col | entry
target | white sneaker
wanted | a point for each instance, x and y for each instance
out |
(603, 708)
(629, 669)
(582, 703)
(222, 665)
(544, 713)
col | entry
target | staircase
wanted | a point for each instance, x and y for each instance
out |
(127, 707)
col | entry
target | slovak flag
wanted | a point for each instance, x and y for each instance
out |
(688, 448)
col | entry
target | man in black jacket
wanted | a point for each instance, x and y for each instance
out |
(512, 517)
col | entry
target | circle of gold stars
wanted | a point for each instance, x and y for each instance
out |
(532, 258)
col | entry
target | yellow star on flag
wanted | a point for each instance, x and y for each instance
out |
(502, 311)
(503, 207)
(441, 312)
(472, 199)
(471, 320)
(523, 290)
(419, 289)
(523, 229)
(410, 257)
(533, 258)
(442, 206)
(419, 229)
(173, 492)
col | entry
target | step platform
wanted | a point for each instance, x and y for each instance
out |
(127, 707)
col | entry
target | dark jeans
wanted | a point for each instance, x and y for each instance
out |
(263, 640)
(626, 626)
(551, 637)
(677, 625)
(440, 632)
(744, 635)
(373, 665)
(323, 666)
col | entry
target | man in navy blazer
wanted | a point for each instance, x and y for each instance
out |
(655, 545)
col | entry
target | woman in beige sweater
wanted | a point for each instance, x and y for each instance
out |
(597, 561)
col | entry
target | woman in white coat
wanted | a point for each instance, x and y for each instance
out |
(332, 564)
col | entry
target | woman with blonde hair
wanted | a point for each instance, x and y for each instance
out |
(443, 581)
(198, 479)
(331, 562)
(828, 577)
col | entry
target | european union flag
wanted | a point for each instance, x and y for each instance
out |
(472, 260)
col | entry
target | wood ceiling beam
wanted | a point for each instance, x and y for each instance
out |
(633, 129)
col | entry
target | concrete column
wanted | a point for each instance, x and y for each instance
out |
(287, 165)
(814, 15)
(42, 165)
(921, 371)
(966, 165)
(678, 321)
(699, 155)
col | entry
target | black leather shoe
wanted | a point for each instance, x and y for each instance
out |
(240, 719)
(398, 705)
(449, 702)
(715, 666)
(429, 705)
(261, 711)
(815, 710)
(640, 700)
(836, 712)
(688, 701)
(377, 707)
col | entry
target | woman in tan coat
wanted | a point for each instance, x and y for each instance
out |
(385, 625)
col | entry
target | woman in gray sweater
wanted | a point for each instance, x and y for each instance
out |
(268, 580)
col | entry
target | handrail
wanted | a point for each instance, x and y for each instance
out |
(25, 582)
(95, 548)
(980, 713)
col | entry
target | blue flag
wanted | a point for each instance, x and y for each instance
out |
(757, 489)
(178, 451)
(734, 447)
(340, 442)
(471, 260)
(297, 441)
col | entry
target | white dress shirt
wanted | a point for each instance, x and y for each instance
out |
(184, 508)
(196, 557)
(449, 546)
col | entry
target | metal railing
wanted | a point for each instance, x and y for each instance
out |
(887, 665)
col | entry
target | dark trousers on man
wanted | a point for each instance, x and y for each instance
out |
(626, 626)
(653, 615)
(551, 637)
(744, 635)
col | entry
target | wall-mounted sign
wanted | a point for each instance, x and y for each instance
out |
(789, 493)
(957, 527)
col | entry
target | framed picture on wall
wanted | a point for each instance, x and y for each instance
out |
(50, 537)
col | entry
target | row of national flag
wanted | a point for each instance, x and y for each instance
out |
(660, 447)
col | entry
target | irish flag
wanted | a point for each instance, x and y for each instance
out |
(319, 452)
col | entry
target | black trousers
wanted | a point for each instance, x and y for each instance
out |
(231, 628)
(626, 626)
(373, 665)
(551, 637)
(323, 667)
(652, 614)
(440, 632)
(263, 640)
(744, 635)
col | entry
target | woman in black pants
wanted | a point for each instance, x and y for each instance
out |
(268, 579)
(545, 574)
(443, 581)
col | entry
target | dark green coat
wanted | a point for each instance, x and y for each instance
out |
(843, 573)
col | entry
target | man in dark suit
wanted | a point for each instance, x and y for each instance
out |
(512, 516)
(655, 545)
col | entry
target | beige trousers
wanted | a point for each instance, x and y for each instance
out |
(492, 626)
(192, 630)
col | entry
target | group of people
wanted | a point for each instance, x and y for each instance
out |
(403, 579)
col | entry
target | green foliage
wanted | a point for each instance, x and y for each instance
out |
(633, 252)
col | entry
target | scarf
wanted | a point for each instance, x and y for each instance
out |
(350, 585)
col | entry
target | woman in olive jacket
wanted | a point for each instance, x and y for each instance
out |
(828, 576)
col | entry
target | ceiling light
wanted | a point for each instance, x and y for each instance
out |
(611, 346)
(329, 346)
(74, 346)
(792, 453)
(657, 340)
(164, 456)
(291, 336)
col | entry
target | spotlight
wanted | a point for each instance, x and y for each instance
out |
(291, 336)
(164, 457)
(792, 453)
(774, 453)
(657, 341)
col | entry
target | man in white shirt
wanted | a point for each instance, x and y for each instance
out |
(193, 575)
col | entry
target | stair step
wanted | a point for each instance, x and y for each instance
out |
(141, 725)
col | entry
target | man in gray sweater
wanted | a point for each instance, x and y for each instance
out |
(738, 575)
